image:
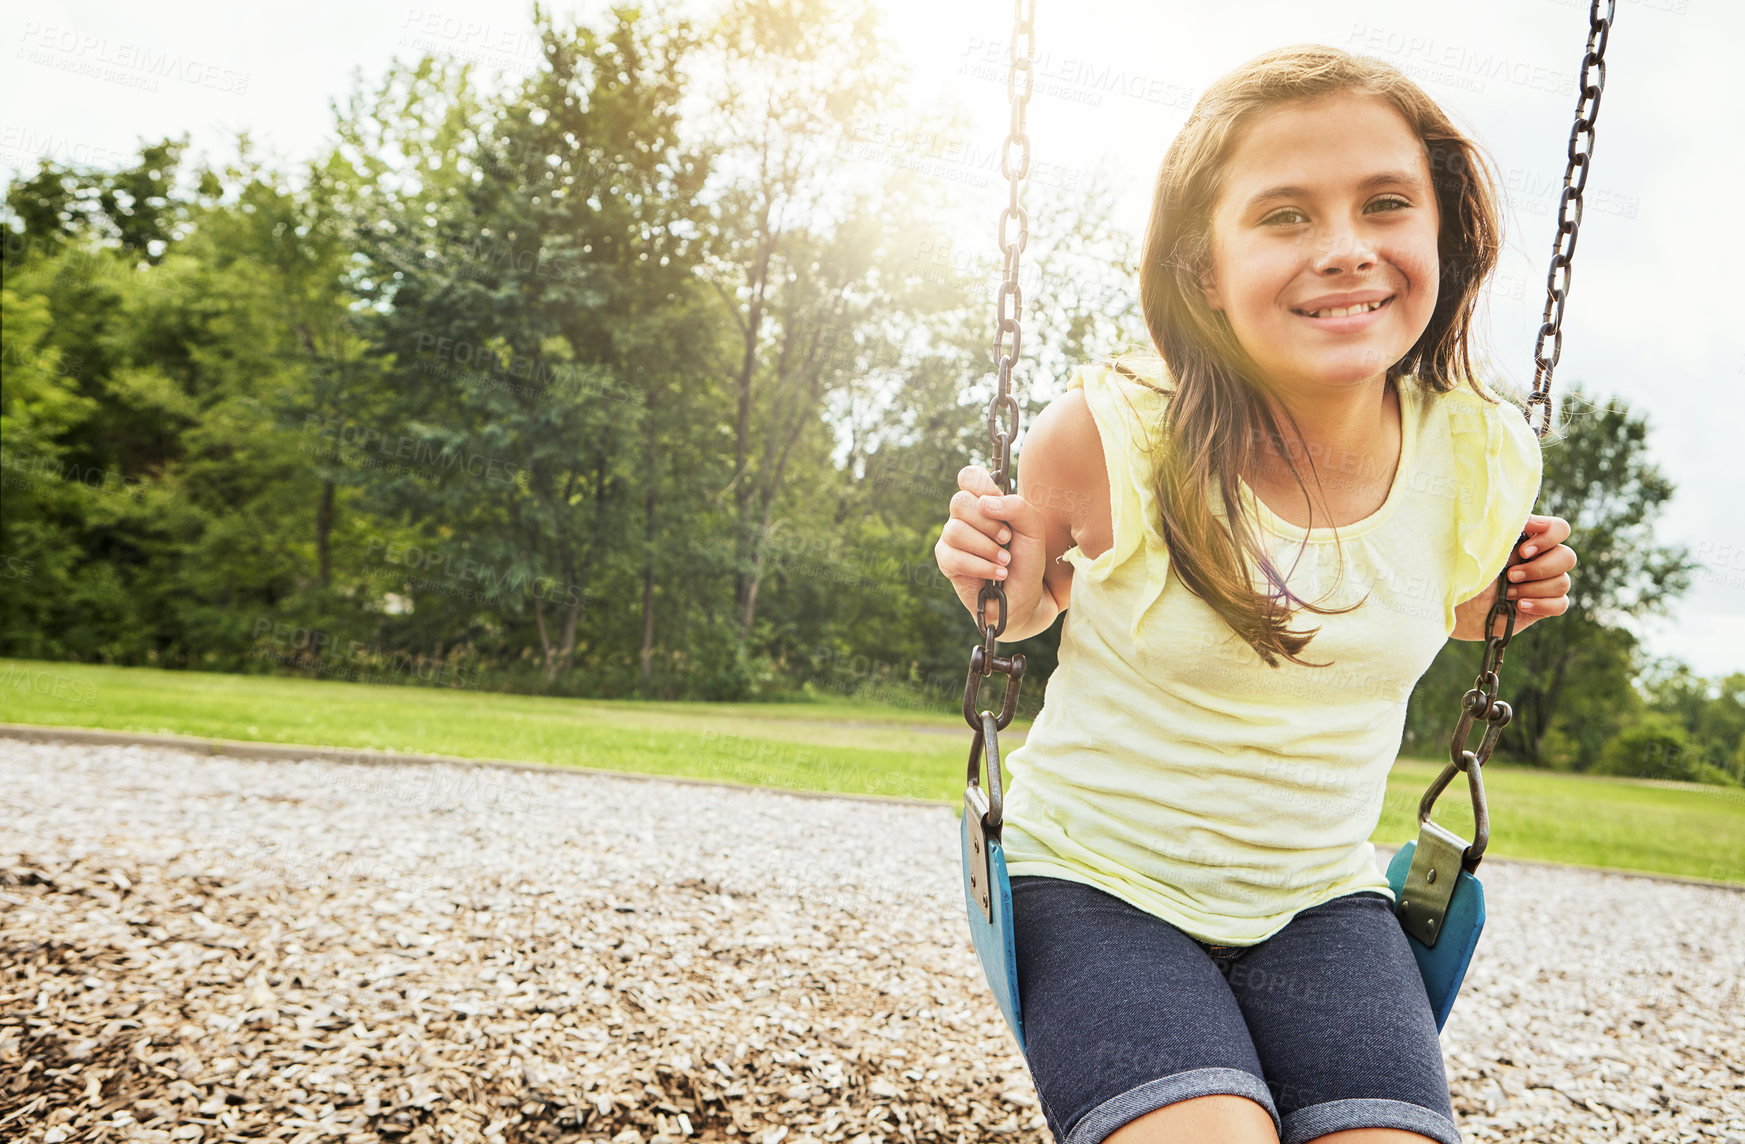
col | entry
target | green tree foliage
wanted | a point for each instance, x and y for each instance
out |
(138, 208)
(648, 373)
(1692, 729)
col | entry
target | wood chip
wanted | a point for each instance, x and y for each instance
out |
(199, 948)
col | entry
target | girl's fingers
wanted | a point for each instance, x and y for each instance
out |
(977, 480)
(960, 565)
(974, 483)
(966, 507)
(1544, 566)
(964, 537)
(1539, 596)
(1553, 606)
(1544, 532)
(970, 544)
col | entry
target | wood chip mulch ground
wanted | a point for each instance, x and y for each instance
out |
(212, 949)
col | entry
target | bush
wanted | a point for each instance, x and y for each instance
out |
(1715, 776)
(1655, 748)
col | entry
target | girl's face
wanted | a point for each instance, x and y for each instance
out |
(1324, 242)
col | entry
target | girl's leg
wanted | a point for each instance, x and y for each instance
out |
(1339, 1018)
(1124, 1015)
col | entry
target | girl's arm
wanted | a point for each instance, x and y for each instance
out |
(1060, 481)
(1539, 586)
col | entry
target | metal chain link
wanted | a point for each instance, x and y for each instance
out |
(1581, 146)
(1481, 702)
(1004, 406)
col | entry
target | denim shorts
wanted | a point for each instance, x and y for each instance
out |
(1326, 1023)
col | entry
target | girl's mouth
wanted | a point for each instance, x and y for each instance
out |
(1340, 319)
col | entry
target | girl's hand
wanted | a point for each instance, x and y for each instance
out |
(1539, 586)
(969, 551)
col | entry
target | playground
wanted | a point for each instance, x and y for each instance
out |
(228, 949)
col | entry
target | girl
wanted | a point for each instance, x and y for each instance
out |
(1206, 948)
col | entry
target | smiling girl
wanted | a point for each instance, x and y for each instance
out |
(1206, 948)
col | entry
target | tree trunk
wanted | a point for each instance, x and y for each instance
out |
(647, 654)
(651, 473)
(751, 329)
(567, 652)
(548, 669)
(766, 502)
(323, 534)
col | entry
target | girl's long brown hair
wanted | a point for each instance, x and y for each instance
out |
(1212, 422)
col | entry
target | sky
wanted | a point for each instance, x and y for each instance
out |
(1650, 320)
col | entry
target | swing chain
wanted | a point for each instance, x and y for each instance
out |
(1581, 147)
(1481, 702)
(984, 659)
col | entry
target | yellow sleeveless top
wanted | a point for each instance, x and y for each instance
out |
(1169, 766)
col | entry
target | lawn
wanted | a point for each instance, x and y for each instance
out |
(827, 745)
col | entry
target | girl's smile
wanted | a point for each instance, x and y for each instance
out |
(1342, 313)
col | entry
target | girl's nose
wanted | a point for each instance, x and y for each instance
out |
(1342, 251)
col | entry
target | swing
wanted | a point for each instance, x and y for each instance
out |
(1438, 900)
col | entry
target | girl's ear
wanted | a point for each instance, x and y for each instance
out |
(1209, 287)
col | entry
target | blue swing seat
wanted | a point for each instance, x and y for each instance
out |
(1443, 965)
(993, 936)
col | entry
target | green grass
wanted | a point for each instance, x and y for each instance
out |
(827, 745)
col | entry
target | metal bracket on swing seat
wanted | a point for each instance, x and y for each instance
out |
(1440, 854)
(1430, 882)
(975, 805)
(981, 816)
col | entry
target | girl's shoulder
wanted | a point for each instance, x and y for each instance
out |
(1484, 422)
(1131, 389)
(1143, 375)
(1497, 471)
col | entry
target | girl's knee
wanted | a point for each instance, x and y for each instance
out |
(1227, 1118)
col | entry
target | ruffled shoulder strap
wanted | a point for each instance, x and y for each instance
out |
(1127, 399)
(1498, 468)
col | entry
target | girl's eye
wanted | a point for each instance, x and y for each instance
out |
(1291, 216)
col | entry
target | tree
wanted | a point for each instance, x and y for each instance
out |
(137, 209)
(802, 264)
(538, 318)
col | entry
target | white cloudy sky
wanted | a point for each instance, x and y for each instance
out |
(1651, 318)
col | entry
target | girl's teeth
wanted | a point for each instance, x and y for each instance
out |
(1344, 311)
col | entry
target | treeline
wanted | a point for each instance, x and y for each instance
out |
(648, 373)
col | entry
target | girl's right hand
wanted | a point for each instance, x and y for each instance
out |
(969, 549)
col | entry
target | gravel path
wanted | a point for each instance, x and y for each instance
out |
(204, 948)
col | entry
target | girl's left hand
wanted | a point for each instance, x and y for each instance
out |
(1539, 585)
